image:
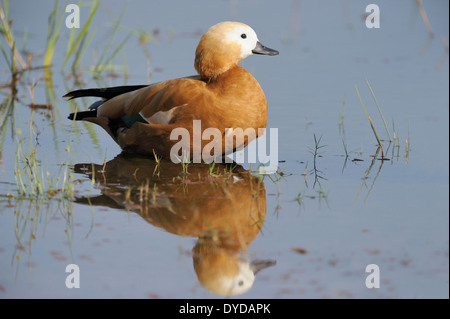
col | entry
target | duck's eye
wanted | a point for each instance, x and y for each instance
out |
(243, 36)
(241, 282)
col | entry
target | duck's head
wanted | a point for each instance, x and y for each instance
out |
(224, 45)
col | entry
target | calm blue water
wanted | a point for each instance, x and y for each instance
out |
(326, 218)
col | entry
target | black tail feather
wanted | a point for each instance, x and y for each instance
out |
(105, 93)
(81, 115)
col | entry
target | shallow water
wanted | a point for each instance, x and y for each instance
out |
(322, 219)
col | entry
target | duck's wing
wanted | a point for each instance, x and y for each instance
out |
(156, 103)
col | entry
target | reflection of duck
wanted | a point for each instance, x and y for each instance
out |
(224, 209)
(223, 95)
(223, 271)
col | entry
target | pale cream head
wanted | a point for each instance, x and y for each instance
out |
(224, 45)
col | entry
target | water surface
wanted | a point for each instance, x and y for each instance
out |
(317, 223)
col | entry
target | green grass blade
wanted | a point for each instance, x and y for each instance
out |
(117, 49)
(72, 45)
(7, 33)
(379, 110)
(6, 6)
(6, 56)
(25, 38)
(52, 34)
(368, 117)
(82, 47)
(111, 38)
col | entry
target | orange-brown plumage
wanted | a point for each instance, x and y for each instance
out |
(223, 95)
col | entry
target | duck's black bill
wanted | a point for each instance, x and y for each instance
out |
(261, 49)
(258, 265)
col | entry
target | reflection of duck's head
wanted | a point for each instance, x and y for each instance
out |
(224, 273)
(225, 210)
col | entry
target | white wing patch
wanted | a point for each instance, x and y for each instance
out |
(162, 117)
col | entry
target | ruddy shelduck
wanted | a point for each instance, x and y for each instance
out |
(223, 96)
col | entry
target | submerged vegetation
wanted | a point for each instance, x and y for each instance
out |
(43, 187)
(33, 180)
